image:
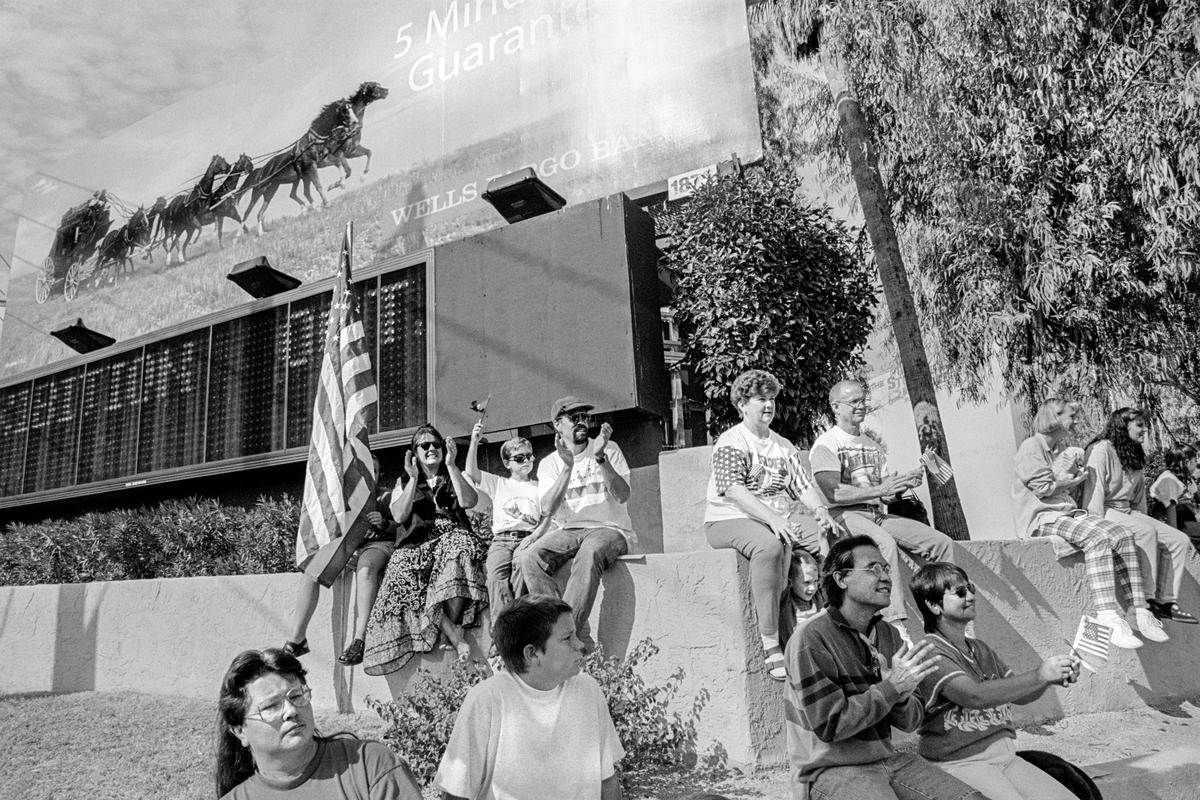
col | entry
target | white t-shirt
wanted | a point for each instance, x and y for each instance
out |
(859, 460)
(587, 503)
(516, 505)
(767, 466)
(514, 742)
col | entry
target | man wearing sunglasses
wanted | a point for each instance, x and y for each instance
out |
(850, 681)
(851, 469)
(968, 729)
(585, 490)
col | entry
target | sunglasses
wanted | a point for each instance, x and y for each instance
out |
(578, 418)
(961, 591)
(521, 458)
(430, 445)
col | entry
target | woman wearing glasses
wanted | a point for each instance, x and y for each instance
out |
(757, 482)
(268, 746)
(968, 729)
(517, 518)
(435, 582)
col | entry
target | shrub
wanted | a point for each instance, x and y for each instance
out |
(764, 280)
(175, 539)
(420, 721)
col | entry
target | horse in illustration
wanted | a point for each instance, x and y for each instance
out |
(119, 244)
(298, 164)
(352, 147)
(223, 204)
(179, 218)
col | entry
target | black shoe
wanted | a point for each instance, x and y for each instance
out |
(1172, 612)
(296, 649)
(353, 654)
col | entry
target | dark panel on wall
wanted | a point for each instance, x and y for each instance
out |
(14, 425)
(543, 308)
(402, 369)
(108, 427)
(245, 395)
(174, 384)
(53, 430)
(303, 349)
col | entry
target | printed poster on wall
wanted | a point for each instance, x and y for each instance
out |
(394, 115)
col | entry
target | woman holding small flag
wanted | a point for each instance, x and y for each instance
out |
(435, 582)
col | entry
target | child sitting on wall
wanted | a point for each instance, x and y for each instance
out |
(803, 579)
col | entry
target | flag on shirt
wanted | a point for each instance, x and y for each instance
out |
(1091, 642)
(339, 486)
(940, 471)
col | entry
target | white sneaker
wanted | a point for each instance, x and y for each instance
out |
(1149, 626)
(898, 624)
(1122, 634)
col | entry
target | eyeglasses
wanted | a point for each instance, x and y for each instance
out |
(578, 418)
(860, 403)
(521, 458)
(273, 712)
(961, 591)
(880, 570)
(430, 445)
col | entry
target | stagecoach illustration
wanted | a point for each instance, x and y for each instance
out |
(72, 257)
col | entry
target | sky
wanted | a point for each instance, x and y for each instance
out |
(73, 73)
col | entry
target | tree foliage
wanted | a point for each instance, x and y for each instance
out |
(765, 280)
(1043, 157)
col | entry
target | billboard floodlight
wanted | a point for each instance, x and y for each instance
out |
(258, 278)
(522, 194)
(80, 337)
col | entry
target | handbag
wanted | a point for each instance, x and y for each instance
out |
(909, 506)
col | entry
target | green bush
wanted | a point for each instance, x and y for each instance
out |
(420, 721)
(765, 280)
(174, 539)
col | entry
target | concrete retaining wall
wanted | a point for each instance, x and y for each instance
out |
(177, 636)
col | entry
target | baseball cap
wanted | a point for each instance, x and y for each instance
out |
(568, 405)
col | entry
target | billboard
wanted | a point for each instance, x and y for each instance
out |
(393, 115)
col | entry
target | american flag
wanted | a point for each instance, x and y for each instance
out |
(339, 487)
(940, 471)
(1091, 642)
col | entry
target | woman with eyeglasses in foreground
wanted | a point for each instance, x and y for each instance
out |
(268, 745)
(435, 581)
(968, 729)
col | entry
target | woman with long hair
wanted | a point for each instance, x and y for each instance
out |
(1116, 489)
(435, 582)
(268, 745)
(1043, 492)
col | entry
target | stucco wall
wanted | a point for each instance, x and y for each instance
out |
(177, 636)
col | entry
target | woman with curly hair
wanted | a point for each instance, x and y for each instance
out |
(268, 745)
(435, 581)
(1116, 489)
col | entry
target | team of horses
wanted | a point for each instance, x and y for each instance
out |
(332, 140)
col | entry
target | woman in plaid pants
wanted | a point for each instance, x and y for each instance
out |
(1043, 490)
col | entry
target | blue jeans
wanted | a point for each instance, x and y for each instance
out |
(903, 776)
(590, 551)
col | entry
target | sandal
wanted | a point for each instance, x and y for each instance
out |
(1171, 611)
(353, 654)
(776, 666)
(295, 649)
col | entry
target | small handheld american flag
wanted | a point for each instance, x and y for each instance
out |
(940, 471)
(1091, 642)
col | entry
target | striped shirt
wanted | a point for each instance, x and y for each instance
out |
(837, 708)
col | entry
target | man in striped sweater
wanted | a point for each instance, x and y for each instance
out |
(850, 679)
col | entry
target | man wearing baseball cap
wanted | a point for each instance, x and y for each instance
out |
(585, 490)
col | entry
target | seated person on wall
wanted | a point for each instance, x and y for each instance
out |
(435, 581)
(850, 680)
(851, 470)
(1044, 506)
(1116, 490)
(539, 728)
(585, 491)
(369, 561)
(756, 479)
(968, 729)
(517, 519)
(268, 745)
(1175, 489)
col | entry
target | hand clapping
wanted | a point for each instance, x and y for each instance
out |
(910, 668)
